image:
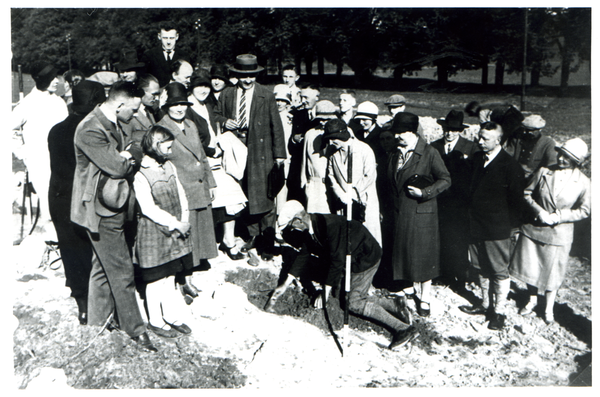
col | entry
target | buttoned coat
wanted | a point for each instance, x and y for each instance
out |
(572, 202)
(191, 163)
(98, 143)
(265, 142)
(415, 254)
(496, 197)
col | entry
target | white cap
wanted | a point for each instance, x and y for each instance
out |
(367, 110)
(289, 210)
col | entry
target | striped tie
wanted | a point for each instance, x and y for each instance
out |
(243, 122)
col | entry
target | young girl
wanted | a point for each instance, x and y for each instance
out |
(162, 246)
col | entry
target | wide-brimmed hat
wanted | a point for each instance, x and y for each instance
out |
(219, 72)
(325, 110)
(86, 95)
(112, 195)
(176, 95)
(282, 93)
(43, 74)
(336, 129)
(367, 111)
(246, 64)
(128, 61)
(576, 149)
(288, 211)
(403, 122)
(533, 122)
(453, 121)
(395, 100)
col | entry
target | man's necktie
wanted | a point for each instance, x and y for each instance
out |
(448, 148)
(169, 55)
(243, 121)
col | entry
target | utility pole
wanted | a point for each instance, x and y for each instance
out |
(69, 49)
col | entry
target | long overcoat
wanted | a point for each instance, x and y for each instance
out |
(415, 254)
(265, 142)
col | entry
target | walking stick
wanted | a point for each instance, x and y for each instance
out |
(348, 254)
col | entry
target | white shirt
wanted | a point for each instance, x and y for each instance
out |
(449, 146)
(492, 155)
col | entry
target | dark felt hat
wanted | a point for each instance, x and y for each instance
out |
(176, 94)
(246, 64)
(403, 122)
(219, 72)
(453, 121)
(128, 61)
(336, 129)
(201, 78)
(86, 95)
(43, 74)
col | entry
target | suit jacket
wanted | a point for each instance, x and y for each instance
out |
(457, 163)
(98, 143)
(334, 237)
(571, 201)
(265, 141)
(191, 163)
(139, 125)
(496, 196)
(373, 141)
(158, 66)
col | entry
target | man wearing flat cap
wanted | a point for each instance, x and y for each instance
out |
(249, 110)
(452, 205)
(418, 175)
(323, 241)
(103, 202)
(531, 148)
(352, 173)
(32, 118)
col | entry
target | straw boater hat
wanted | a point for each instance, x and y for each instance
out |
(576, 149)
(367, 111)
(453, 121)
(246, 64)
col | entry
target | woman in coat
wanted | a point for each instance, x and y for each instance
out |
(416, 249)
(557, 196)
(194, 174)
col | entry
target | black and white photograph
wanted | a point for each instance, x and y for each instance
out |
(299, 197)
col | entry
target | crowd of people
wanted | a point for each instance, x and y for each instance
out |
(148, 172)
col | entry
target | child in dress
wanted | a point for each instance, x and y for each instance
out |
(162, 245)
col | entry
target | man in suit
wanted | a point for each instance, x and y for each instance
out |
(323, 241)
(452, 205)
(102, 202)
(249, 110)
(146, 117)
(495, 203)
(158, 60)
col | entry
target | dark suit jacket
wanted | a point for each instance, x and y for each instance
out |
(139, 125)
(457, 163)
(333, 234)
(265, 141)
(97, 146)
(373, 141)
(496, 196)
(158, 66)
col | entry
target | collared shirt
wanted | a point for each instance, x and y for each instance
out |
(449, 146)
(167, 54)
(249, 94)
(491, 155)
(405, 154)
(111, 116)
(366, 133)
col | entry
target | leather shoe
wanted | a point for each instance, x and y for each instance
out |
(497, 321)
(402, 337)
(165, 333)
(144, 341)
(82, 318)
(227, 250)
(422, 311)
(189, 289)
(248, 245)
(473, 310)
(182, 328)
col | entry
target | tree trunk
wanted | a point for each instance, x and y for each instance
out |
(536, 72)
(442, 72)
(499, 80)
(339, 68)
(309, 58)
(298, 61)
(564, 72)
(485, 73)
